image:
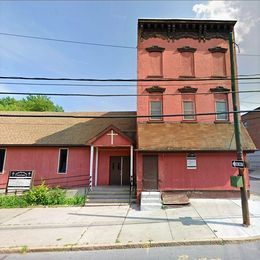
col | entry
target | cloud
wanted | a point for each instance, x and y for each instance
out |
(226, 10)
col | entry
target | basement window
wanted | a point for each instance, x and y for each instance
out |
(63, 160)
(191, 161)
(2, 160)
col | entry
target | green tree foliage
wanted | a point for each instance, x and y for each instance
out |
(30, 103)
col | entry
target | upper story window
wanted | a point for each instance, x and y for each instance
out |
(191, 161)
(218, 61)
(221, 107)
(155, 61)
(188, 110)
(221, 102)
(187, 61)
(156, 109)
(188, 102)
(2, 159)
(63, 160)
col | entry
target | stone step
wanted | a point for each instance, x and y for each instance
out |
(150, 200)
(111, 188)
(106, 204)
(108, 200)
(151, 206)
(115, 196)
(104, 193)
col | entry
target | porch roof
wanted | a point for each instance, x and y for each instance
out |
(61, 129)
(190, 136)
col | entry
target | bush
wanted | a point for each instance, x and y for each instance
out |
(40, 195)
(37, 195)
(13, 201)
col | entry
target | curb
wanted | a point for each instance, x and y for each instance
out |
(217, 241)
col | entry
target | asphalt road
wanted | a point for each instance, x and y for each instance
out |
(246, 251)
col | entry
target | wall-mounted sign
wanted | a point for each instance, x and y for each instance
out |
(19, 181)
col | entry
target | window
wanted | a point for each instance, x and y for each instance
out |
(187, 64)
(221, 106)
(2, 159)
(63, 161)
(218, 61)
(155, 64)
(188, 108)
(156, 110)
(191, 161)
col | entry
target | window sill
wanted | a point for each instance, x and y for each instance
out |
(189, 121)
(218, 77)
(190, 76)
(155, 121)
(222, 122)
(154, 76)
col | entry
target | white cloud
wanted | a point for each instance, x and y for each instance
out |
(226, 10)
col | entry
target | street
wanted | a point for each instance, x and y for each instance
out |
(246, 251)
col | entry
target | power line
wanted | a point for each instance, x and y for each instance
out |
(108, 85)
(127, 80)
(88, 43)
(68, 41)
(119, 95)
(58, 115)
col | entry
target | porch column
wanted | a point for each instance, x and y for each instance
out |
(131, 164)
(96, 167)
(91, 165)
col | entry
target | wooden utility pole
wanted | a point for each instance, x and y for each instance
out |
(237, 129)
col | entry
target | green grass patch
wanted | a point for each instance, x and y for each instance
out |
(41, 195)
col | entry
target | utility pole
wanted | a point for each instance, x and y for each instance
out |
(237, 129)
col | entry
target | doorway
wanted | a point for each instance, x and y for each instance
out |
(150, 172)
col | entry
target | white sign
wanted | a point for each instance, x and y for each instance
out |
(19, 180)
(238, 164)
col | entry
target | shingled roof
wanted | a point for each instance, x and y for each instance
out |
(60, 129)
(190, 136)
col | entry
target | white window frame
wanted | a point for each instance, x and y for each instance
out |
(221, 101)
(153, 118)
(2, 172)
(194, 158)
(194, 110)
(67, 161)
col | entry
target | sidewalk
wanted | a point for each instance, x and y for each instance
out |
(75, 228)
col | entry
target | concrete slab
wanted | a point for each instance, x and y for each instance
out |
(103, 234)
(43, 216)
(8, 214)
(186, 224)
(39, 237)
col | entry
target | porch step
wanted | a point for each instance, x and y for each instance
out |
(108, 195)
(150, 201)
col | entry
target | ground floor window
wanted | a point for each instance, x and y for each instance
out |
(63, 160)
(191, 161)
(2, 159)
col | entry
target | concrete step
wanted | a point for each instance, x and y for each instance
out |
(104, 193)
(108, 200)
(151, 207)
(111, 188)
(115, 196)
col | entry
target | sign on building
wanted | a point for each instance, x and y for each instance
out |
(19, 181)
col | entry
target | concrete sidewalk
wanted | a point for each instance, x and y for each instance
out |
(203, 221)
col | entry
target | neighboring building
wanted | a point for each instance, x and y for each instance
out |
(251, 121)
(188, 153)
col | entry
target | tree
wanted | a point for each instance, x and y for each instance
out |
(30, 103)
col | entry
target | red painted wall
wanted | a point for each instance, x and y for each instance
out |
(172, 67)
(44, 162)
(104, 162)
(213, 172)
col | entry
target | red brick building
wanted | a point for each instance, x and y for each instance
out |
(183, 151)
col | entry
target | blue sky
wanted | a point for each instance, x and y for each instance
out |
(109, 22)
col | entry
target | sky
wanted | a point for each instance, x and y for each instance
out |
(106, 22)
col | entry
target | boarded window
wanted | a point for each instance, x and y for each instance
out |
(219, 64)
(188, 109)
(156, 110)
(191, 161)
(2, 159)
(187, 64)
(221, 106)
(63, 160)
(155, 65)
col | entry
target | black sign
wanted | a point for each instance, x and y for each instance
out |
(238, 164)
(19, 180)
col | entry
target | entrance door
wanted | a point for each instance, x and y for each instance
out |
(119, 170)
(150, 172)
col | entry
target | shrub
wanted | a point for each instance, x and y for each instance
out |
(37, 195)
(12, 201)
(56, 196)
(76, 200)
